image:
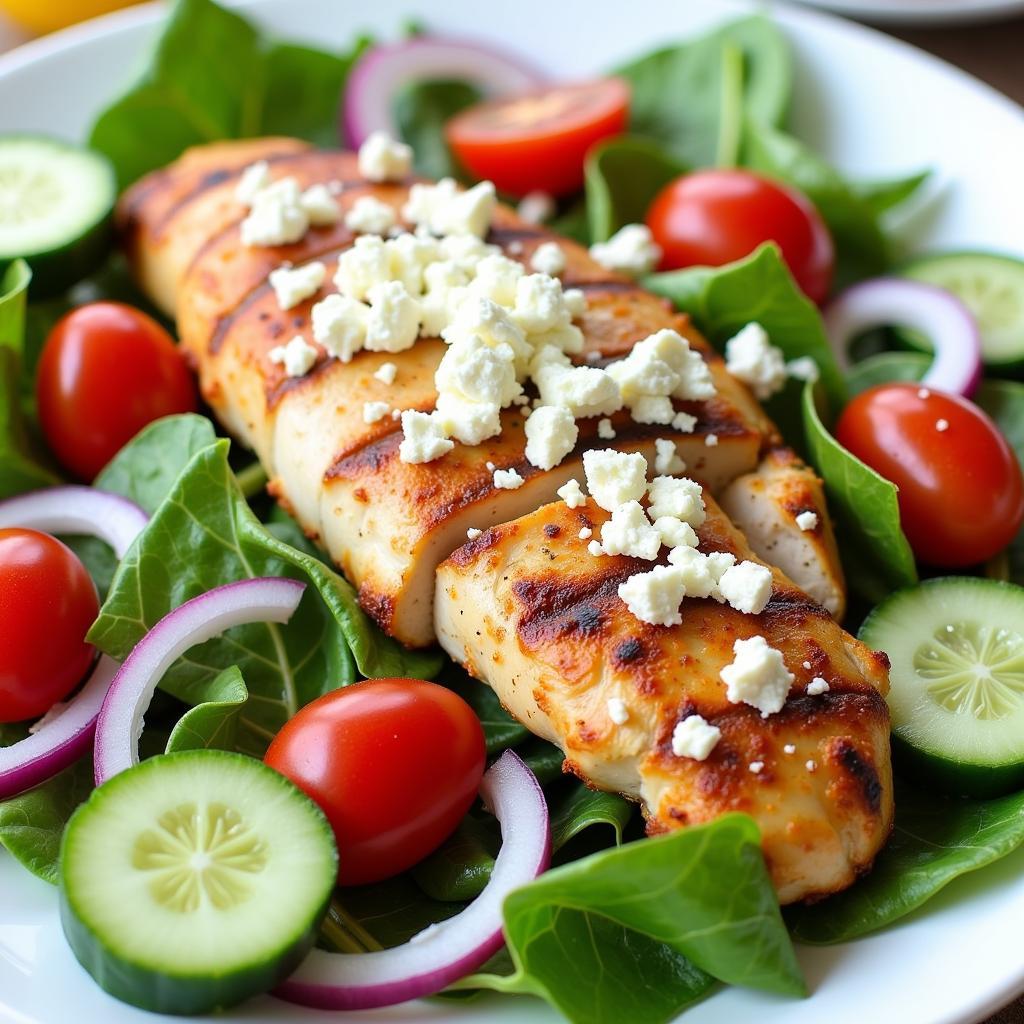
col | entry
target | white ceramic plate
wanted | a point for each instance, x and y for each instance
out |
(922, 12)
(876, 108)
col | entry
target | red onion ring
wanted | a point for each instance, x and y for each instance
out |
(444, 952)
(64, 737)
(270, 599)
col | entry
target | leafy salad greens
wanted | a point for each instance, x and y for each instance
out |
(706, 910)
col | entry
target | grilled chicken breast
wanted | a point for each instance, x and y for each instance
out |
(527, 610)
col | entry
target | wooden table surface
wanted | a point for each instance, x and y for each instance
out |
(993, 52)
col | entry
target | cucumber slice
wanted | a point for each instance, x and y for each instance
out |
(956, 697)
(195, 880)
(991, 285)
(56, 202)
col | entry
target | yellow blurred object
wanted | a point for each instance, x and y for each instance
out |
(49, 15)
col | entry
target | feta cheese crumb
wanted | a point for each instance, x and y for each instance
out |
(293, 285)
(605, 430)
(684, 422)
(424, 440)
(817, 686)
(393, 323)
(507, 479)
(254, 178)
(747, 587)
(445, 209)
(374, 411)
(631, 250)
(593, 357)
(677, 496)
(381, 158)
(751, 358)
(536, 207)
(276, 216)
(594, 547)
(617, 710)
(811, 766)
(472, 533)
(548, 258)
(585, 533)
(297, 357)
(339, 324)
(551, 433)
(370, 216)
(789, 748)
(807, 665)
(756, 767)
(666, 461)
(757, 676)
(629, 532)
(572, 494)
(711, 440)
(319, 206)
(675, 533)
(941, 425)
(386, 373)
(807, 520)
(693, 737)
(654, 597)
(613, 478)
(803, 368)
(697, 571)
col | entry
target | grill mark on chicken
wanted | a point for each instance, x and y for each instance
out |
(504, 234)
(555, 608)
(860, 769)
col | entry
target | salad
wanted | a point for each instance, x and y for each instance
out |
(239, 781)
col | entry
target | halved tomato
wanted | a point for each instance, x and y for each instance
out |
(538, 141)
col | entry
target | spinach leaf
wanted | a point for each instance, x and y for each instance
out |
(933, 842)
(684, 96)
(421, 111)
(886, 367)
(214, 723)
(20, 469)
(213, 75)
(867, 508)
(460, 868)
(622, 178)
(705, 909)
(578, 808)
(759, 288)
(862, 248)
(886, 194)
(203, 535)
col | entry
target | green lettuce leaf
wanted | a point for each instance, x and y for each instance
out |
(421, 111)
(215, 722)
(934, 841)
(888, 193)
(213, 75)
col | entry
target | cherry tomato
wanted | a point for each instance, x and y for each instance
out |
(393, 763)
(961, 493)
(537, 142)
(710, 218)
(105, 372)
(47, 604)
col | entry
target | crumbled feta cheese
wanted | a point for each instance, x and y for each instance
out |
(495, 278)
(386, 373)
(789, 748)
(396, 414)
(339, 324)
(676, 496)
(613, 478)
(747, 587)
(254, 178)
(942, 425)
(807, 520)
(585, 533)
(684, 422)
(711, 440)
(594, 547)
(445, 209)
(605, 430)
(757, 676)
(293, 285)
(807, 665)
(381, 158)
(491, 324)
(666, 460)
(803, 368)
(654, 597)
(548, 258)
(629, 532)
(631, 250)
(467, 421)
(540, 304)
(693, 737)
(374, 411)
(593, 357)
(584, 390)
(551, 433)
(276, 216)
(617, 710)
(478, 372)
(365, 263)
(817, 686)
(472, 533)
(718, 562)
(756, 767)
(536, 207)
(423, 439)
(575, 300)
(572, 494)
(508, 480)
(811, 766)
(751, 358)
(393, 324)
(675, 533)
(697, 576)
(297, 357)
(370, 216)
(320, 207)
